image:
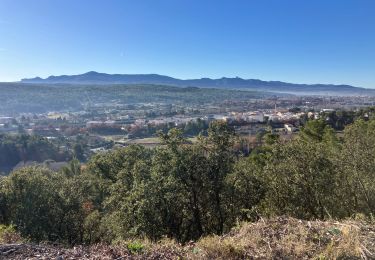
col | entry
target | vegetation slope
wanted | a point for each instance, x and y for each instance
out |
(200, 191)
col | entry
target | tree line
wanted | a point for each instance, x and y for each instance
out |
(186, 190)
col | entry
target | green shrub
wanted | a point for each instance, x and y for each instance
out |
(8, 234)
(135, 247)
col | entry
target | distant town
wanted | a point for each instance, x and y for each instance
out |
(99, 127)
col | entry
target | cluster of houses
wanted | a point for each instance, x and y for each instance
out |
(125, 121)
(7, 124)
(250, 117)
(54, 123)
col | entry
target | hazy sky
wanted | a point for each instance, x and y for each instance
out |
(302, 41)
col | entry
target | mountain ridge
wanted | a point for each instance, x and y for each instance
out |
(93, 77)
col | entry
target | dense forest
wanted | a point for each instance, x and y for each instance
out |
(185, 190)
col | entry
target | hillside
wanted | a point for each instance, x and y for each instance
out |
(93, 77)
(39, 98)
(200, 192)
(278, 238)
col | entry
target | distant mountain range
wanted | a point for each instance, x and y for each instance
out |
(97, 78)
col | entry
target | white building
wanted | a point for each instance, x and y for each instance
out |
(5, 119)
(254, 117)
(289, 127)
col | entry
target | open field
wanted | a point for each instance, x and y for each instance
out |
(141, 141)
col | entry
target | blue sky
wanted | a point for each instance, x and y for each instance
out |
(302, 41)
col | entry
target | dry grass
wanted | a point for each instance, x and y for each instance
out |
(278, 238)
(288, 238)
